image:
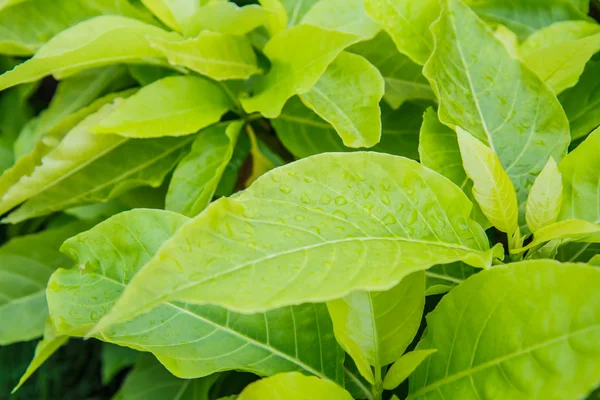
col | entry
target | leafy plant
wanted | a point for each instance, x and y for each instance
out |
(261, 200)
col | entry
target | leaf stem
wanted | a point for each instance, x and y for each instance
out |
(377, 387)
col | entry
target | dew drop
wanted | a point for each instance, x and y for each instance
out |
(389, 219)
(305, 198)
(285, 189)
(340, 200)
(385, 199)
(299, 218)
(325, 199)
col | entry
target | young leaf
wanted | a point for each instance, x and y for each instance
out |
(209, 339)
(524, 17)
(581, 177)
(26, 264)
(293, 386)
(318, 211)
(88, 168)
(295, 10)
(150, 380)
(375, 328)
(115, 359)
(407, 22)
(442, 278)
(492, 187)
(87, 45)
(226, 17)
(439, 150)
(582, 102)
(295, 68)
(558, 53)
(25, 27)
(405, 366)
(197, 175)
(403, 78)
(491, 95)
(572, 229)
(43, 351)
(493, 327)
(186, 105)
(347, 96)
(219, 56)
(305, 134)
(172, 12)
(348, 16)
(545, 198)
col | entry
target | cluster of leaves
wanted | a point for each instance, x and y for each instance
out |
(152, 204)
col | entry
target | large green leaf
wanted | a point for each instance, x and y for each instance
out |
(578, 252)
(439, 150)
(524, 17)
(545, 199)
(582, 102)
(403, 78)
(26, 264)
(522, 331)
(347, 16)
(86, 45)
(71, 96)
(197, 175)
(494, 97)
(328, 225)
(407, 22)
(305, 134)
(226, 17)
(347, 96)
(293, 386)
(115, 359)
(185, 105)
(558, 53)
(217, 55)
(581, 181)
(209, 339)
(375, 328)
(295, 68)
(88, 168)
(492, 188)
(25, 27)
(149, 380)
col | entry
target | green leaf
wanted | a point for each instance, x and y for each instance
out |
(347, 96)
(87, 45)
(545, 198)
(294, 68)
(494, 339)
(348, 16)
(293, 386)
(226, 17)
(322, 210)
(197, 175)
(492, 187)
(577, 252)
(355, 383)
(572, 229)
(403, 78)
(43, 350)
(491, 95)
(172, 12)
(115, 359)
(71, 96)
(581, 177)
(150, 380)
(89, 168)
(375, 328)
(558, 53)
(295, 10)
(219, 56)
(187, 104)
(27, 25)
(209, 339)
(26, 264)
(146, 74)
(405, 366)
(305, 134)
(230, 179)
(524, 17)
(407, 22)
(582, 5)
(439, 150)
(442, 278)
(582, 102)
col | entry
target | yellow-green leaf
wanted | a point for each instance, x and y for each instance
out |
(347, 16)
(402, 368)
(293, 386)
(172, 12)
(492, 187)
(172, 106)
(571, 229)
(545, 197)
(226, 17)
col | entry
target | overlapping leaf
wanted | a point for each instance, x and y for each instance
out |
(293, 386)
(582, 102)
